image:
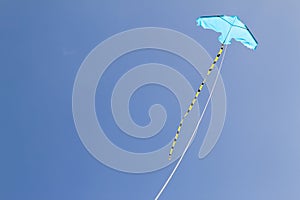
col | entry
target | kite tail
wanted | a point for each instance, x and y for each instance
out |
(194, 100)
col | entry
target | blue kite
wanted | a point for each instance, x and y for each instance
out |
(230, 28)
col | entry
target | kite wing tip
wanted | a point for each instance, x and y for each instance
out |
(251, 46)
(198, 21)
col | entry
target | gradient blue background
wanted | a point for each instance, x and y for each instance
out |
(42, 46)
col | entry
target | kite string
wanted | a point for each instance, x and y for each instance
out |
(195, 131)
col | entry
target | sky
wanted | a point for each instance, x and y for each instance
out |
(44, 43)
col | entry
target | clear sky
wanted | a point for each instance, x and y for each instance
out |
(43, 44)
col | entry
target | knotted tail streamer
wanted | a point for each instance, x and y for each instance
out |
(194, 100)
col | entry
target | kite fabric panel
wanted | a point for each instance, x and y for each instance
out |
(230, 27)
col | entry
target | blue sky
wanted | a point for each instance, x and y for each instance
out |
(42, 47)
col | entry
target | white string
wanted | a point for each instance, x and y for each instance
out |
(195, 131)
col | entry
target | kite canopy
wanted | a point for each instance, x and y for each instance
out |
(229, 27)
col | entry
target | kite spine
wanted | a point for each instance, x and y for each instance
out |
(195, 99)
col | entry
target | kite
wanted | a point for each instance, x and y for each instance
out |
(230, 28)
